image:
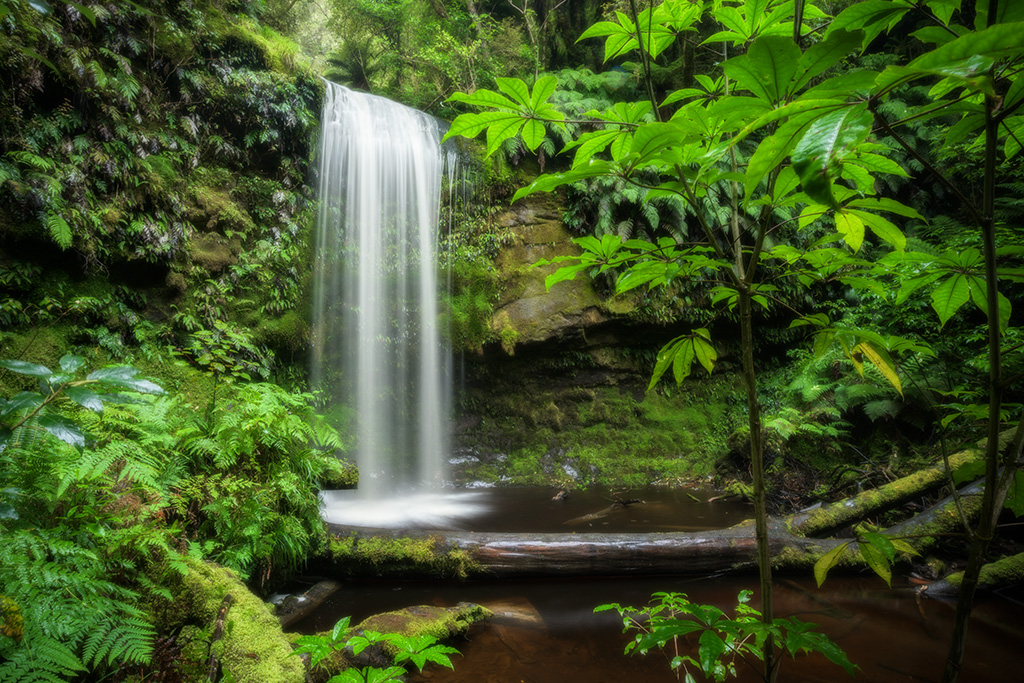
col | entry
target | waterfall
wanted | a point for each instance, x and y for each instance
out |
(376, 294)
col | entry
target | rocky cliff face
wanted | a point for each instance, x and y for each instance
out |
(560, 398)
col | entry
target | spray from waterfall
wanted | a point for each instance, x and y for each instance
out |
(382, 169)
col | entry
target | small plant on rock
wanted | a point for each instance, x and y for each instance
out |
(418, 649)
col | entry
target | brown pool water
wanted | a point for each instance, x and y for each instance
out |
(547, 632)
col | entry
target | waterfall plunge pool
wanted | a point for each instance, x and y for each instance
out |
(537, 510)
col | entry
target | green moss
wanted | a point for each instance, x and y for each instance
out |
(427, 620)
(253, 649)
(1006, 571)
(288, 333)
(604, 435)
(382, 556)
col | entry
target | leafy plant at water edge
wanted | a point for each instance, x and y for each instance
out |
(418, 650)
(671, 620)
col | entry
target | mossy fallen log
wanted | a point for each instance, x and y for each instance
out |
(1006, 571)
(588, 554)
(828, 519)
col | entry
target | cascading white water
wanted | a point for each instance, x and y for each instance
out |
(376, 310)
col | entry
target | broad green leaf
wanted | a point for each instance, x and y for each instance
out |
(484, 98)
(881, 359)
(943, 9)
(851, 228)
(550, 181)
(565, 273)
(767, 69)
(703, 350)
(773, 150)
(590, 144)
(883, 228)
(533, 134)
(876, 559)
(1007, 11)
(711, 649)
(933, 34)
(829, 560)
(1014, 127)
(502, 130)
(23, 400)
(471, 125)
(64, 429)
(979, 295)
(71, 364)
(41, 6)
(516, 89)
(682, 360)
(26, 368)
(1015, 496)
(824, 55)
(543, 89)
(885, 204)
(84, 398)
(826, 141)
(949, 296)
(853, 84)
(872, 17)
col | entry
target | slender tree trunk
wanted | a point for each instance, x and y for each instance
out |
(992, 501)
(764, 558)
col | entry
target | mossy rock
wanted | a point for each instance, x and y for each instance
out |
(213, 252)
(252, 649)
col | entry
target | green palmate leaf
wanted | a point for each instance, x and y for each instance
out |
(829, 560)
(876, 560)
(871, 17)
(682, 360)
(767, 69)
(63, 429)
(471, 125)
(26, 368)
(773, 150)
(949, 296)
(824, 143)
(703, 351)
(589, 144)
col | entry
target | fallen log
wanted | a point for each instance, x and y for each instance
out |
(579, 554)
(828, 519)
